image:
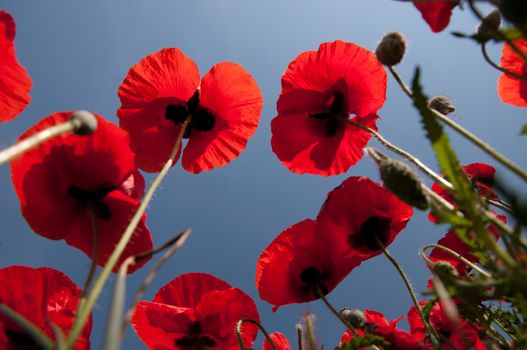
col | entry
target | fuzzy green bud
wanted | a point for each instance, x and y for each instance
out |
(400, 179)
(355, 317)
(442, 104)
(445, 271)
(390, 50)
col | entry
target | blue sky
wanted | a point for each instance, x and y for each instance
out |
(78, 53)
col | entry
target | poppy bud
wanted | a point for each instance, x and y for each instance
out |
(400, 179)
(390, 50)
(84, 122)
(354, 316)
(445, 271)
(442, 104)
(490, 25)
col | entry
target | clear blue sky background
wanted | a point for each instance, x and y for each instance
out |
(78, 52)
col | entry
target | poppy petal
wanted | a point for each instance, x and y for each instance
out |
(15, 84)
(279, 340)
(120, 208)
(160, 325)
(436, 13)
(510, 89)
(232, 96)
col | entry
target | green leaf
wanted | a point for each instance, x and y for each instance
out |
(511, 34)
(524, 130)
(358, 342)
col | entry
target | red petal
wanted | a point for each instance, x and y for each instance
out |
(15, 84)
(339, 66)
(233, 97)
(301, 144)
(279, 340)
(188, 289)
(168, 73)
(436, 13)
(121, 208)
(220, 311)
(160, 325)
(350, 205)
(510, 89)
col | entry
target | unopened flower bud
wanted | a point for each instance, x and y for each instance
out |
(390, 50)
(442, 104)
(400, 179)
(84, 122)
(445, 271)
(490, 25)
(355, 317)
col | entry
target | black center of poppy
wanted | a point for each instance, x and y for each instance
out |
(92, 199)
(445, 333)
(334, 116)
(313, 279)
(195, 340)
(21, 341)
(372, 231)
(200, 118)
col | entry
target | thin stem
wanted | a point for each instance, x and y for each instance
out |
(465, 133)
(257, 324)
(498, 67)
(174, 244)
(455, 254)
(95, 255)
(29, 327)
(299, 336)
(84, 313)
(498, 33)
(500, 204)
(334, 311)
(34, 140)
(434, 176)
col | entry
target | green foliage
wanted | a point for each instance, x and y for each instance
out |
(504, 34)
(524, 130)
(358, 342)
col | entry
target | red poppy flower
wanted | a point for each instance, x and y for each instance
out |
(279, 340)
(195, 311)
(44, 296)
(358, 215)
(466, 339)
(510, 89)
(296, 263)
(320, 90)
(378, 325)
(68, 179)
(163, 89)
(436, 13)
(482, 177)
(15, 83)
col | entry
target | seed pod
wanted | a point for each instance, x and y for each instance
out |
(442, 104)
(85, 123)
(390, 50)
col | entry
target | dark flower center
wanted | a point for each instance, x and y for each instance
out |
(373, 231)
(21, 341)
(195, 340)
(335, 116)
(313, 279)
(200, 118)
(92, 199)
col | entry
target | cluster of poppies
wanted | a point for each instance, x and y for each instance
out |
(84, 189)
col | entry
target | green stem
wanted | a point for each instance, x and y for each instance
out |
(31, 329)
(434, 176)
(465, 133)
(334, 311)
(498, 67)
(455, 254)
(84, 313)
(95, 256)
(257, 324)
(34, 140)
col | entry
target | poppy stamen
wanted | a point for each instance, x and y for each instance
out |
(335, 116)
(200, 118)
(195, 340)
(93, 199)
(312, 279)
(373, 231)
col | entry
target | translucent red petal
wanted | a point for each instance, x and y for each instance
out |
(512, 90)
(436, 13)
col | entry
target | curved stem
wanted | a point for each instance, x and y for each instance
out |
(455, 254)
(335, 312)
(34, 140)
(259, 325)
(498, 67)
(84, 313)
(31, 329)
(433, 175)
(174, 244)
(465, 133)
(95, 255)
